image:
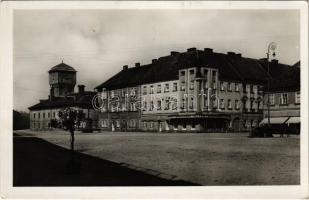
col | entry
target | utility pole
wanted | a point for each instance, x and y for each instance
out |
(271, 47)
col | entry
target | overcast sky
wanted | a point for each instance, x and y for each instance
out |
(98, 43)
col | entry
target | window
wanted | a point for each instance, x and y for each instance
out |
(104, 123)
(144, 89)
(167, 104)
(132, 92)
(297, 97)
(248, 88)
(244, 88)
(284, 99)
(132, 123)
(159, 105)
(151, 105)
(48, 115)
(206, 102)
(183, 86)
(145, 124)
(271, 99)
(237, 87)
(183, 101)
(251, 105)
(214, 76)
(221, 103)
(222, 86)
(192, 85)
(229, 104)
(182, 73)
(159, 88)
(206, 73)
(54, 114)
(144, 105)
(151, 89)
(113, 94)
(33, 115)
(151, 125)
(167, 87)
(191, 71)
(259, 105)
(174, 107)
(43, 115)
(237, 104)
(191, 103)
(174, 87)
(206, 85)
(251, 89)
(117, 123)
(229, 87)
(132, 107)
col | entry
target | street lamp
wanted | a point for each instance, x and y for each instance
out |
(271, 47)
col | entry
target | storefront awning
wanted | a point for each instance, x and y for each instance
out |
(274, 120)
(293, 120)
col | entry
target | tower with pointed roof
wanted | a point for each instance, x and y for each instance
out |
(62, 80)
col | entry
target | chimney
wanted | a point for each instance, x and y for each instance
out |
(274, 61)
(208, 50)
(191, 49)
(230, 53)
(125, 67)
(137, 64)
(173, 53)
(81, 89)
(154, 60)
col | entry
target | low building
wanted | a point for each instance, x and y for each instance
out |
(62, 80)
(283, 98)
(197, 90)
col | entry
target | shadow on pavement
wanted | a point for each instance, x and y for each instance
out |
(40, 163)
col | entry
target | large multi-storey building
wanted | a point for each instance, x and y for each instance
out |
(200, 91)
(62, 80)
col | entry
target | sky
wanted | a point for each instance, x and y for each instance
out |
(97, 43)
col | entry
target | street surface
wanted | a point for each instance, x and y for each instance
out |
(204, 159)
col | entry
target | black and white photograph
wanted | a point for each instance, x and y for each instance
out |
(180, 96)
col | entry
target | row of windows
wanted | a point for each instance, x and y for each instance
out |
(158, 105)
(229, 86)
(159, 88)
(38, 115)
(132, 123)
(192, 73)
(124, 92)
(284, 98)
(235, 87)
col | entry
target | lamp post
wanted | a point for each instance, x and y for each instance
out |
(271, 47)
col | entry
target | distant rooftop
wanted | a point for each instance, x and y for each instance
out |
(62, 67)
(232, 67)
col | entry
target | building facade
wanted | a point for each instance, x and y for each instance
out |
(62, 80)
(282, 100)
(193, 91)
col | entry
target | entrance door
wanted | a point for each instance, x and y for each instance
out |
(236, 125)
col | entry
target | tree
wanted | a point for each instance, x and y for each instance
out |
(69, 118)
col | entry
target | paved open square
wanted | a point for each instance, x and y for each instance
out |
(204, 159)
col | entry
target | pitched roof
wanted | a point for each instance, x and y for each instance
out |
(231, 67)
(287, 79)
(80, 100)
(62, 67)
